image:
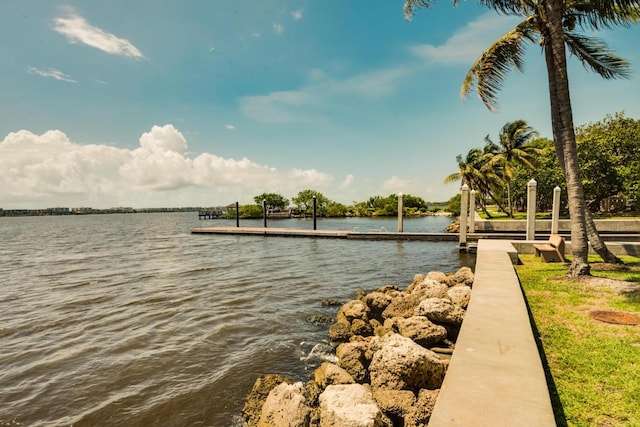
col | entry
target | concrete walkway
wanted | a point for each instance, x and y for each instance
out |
(496, 376)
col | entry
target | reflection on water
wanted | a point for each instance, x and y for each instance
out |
(131, 320)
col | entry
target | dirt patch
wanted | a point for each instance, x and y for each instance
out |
(615, 317)
(619, 286)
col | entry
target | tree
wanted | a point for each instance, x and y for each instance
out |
(551, 24)
(474, 173)
(513, 149)
(274, 201)
(304, 201)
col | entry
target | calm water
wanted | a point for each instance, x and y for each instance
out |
(130, 320)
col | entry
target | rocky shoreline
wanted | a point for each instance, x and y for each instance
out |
(392, 351)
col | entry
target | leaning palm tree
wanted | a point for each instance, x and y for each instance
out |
(474, 172)
(512, 149)
(552, 24)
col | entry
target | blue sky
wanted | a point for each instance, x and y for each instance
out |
(197, 103)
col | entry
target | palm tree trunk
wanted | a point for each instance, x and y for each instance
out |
(563, 134)
(509, 198)
(597, 243)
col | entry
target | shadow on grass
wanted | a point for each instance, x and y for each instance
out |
(556, 404)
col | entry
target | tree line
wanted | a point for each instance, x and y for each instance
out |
(302, 204)
(609, 163)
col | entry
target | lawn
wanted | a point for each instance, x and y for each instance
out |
(594, 366)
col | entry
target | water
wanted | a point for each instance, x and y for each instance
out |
(130, 320)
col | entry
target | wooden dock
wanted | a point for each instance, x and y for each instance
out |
(332, 234)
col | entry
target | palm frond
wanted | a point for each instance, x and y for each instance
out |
(491, 68)
(411, 5)
(511, 7)
(602, 14)
(596, 55)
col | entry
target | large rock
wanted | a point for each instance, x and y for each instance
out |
(429, 288)
(351, 357)
(420, 413)
(419, 329)
(438, 276)
(395, 404)
(377, 303)
(340, 331)
(255, 400)
(329, 374)
(285, 406)
(350, 405)
(464, 276)
(460, 295)
(401, 364)
(354, 309)
(441, 310)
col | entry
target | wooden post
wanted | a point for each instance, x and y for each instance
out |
(237, 215)
(555, 212)
(531, 209)
(400, 206)
(315, 205)
(472, 211)
(264, 212)
(463, 216)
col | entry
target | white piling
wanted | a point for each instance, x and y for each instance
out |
(463, 215)
(400, 224)
(555, 212)
(531, 209)
(472, 211)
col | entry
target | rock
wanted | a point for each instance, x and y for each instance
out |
(460, 295)
(440, 310)
(359, 293)
(417, 278)
(420, 413)
(312, 391)
(438, 276)
(354, 309)
(429, 288)
(419, 329)
(377, 302)
(350, 405)
(351, 357)
(402, 305)
(320, 319)
(330, 302)
(361, 327)
(330, 374)
(255, 400)
(464, 276)
(390, 290)
(340, 331)
(401, 364)
(395, 404)
(285, 406)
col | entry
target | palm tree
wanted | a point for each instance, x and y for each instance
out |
(474, 172)
(551, 24)
(513, 148)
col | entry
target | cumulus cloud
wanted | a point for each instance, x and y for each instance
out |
(52, 167)
(78, 30)
(297, 14)
(230, 127)
(51, 73)
(463, 47)
(347, 181)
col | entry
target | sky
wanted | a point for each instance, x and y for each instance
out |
(141, 103)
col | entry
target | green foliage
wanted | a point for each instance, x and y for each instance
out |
(454, 205)
(335, 209)
(250, 211)
(304, 201)
(274, 200)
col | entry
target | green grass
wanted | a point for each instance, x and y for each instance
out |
(595, 366)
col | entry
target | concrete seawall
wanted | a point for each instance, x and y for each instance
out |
(496, 377)
(620, 226)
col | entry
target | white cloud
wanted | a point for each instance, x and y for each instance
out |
(230, 127)
(347, 181)
(39, 168)
(51, 73)
(463, 47)
(278, 28)
(297, 14)
(78, 30)
(321, 95)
